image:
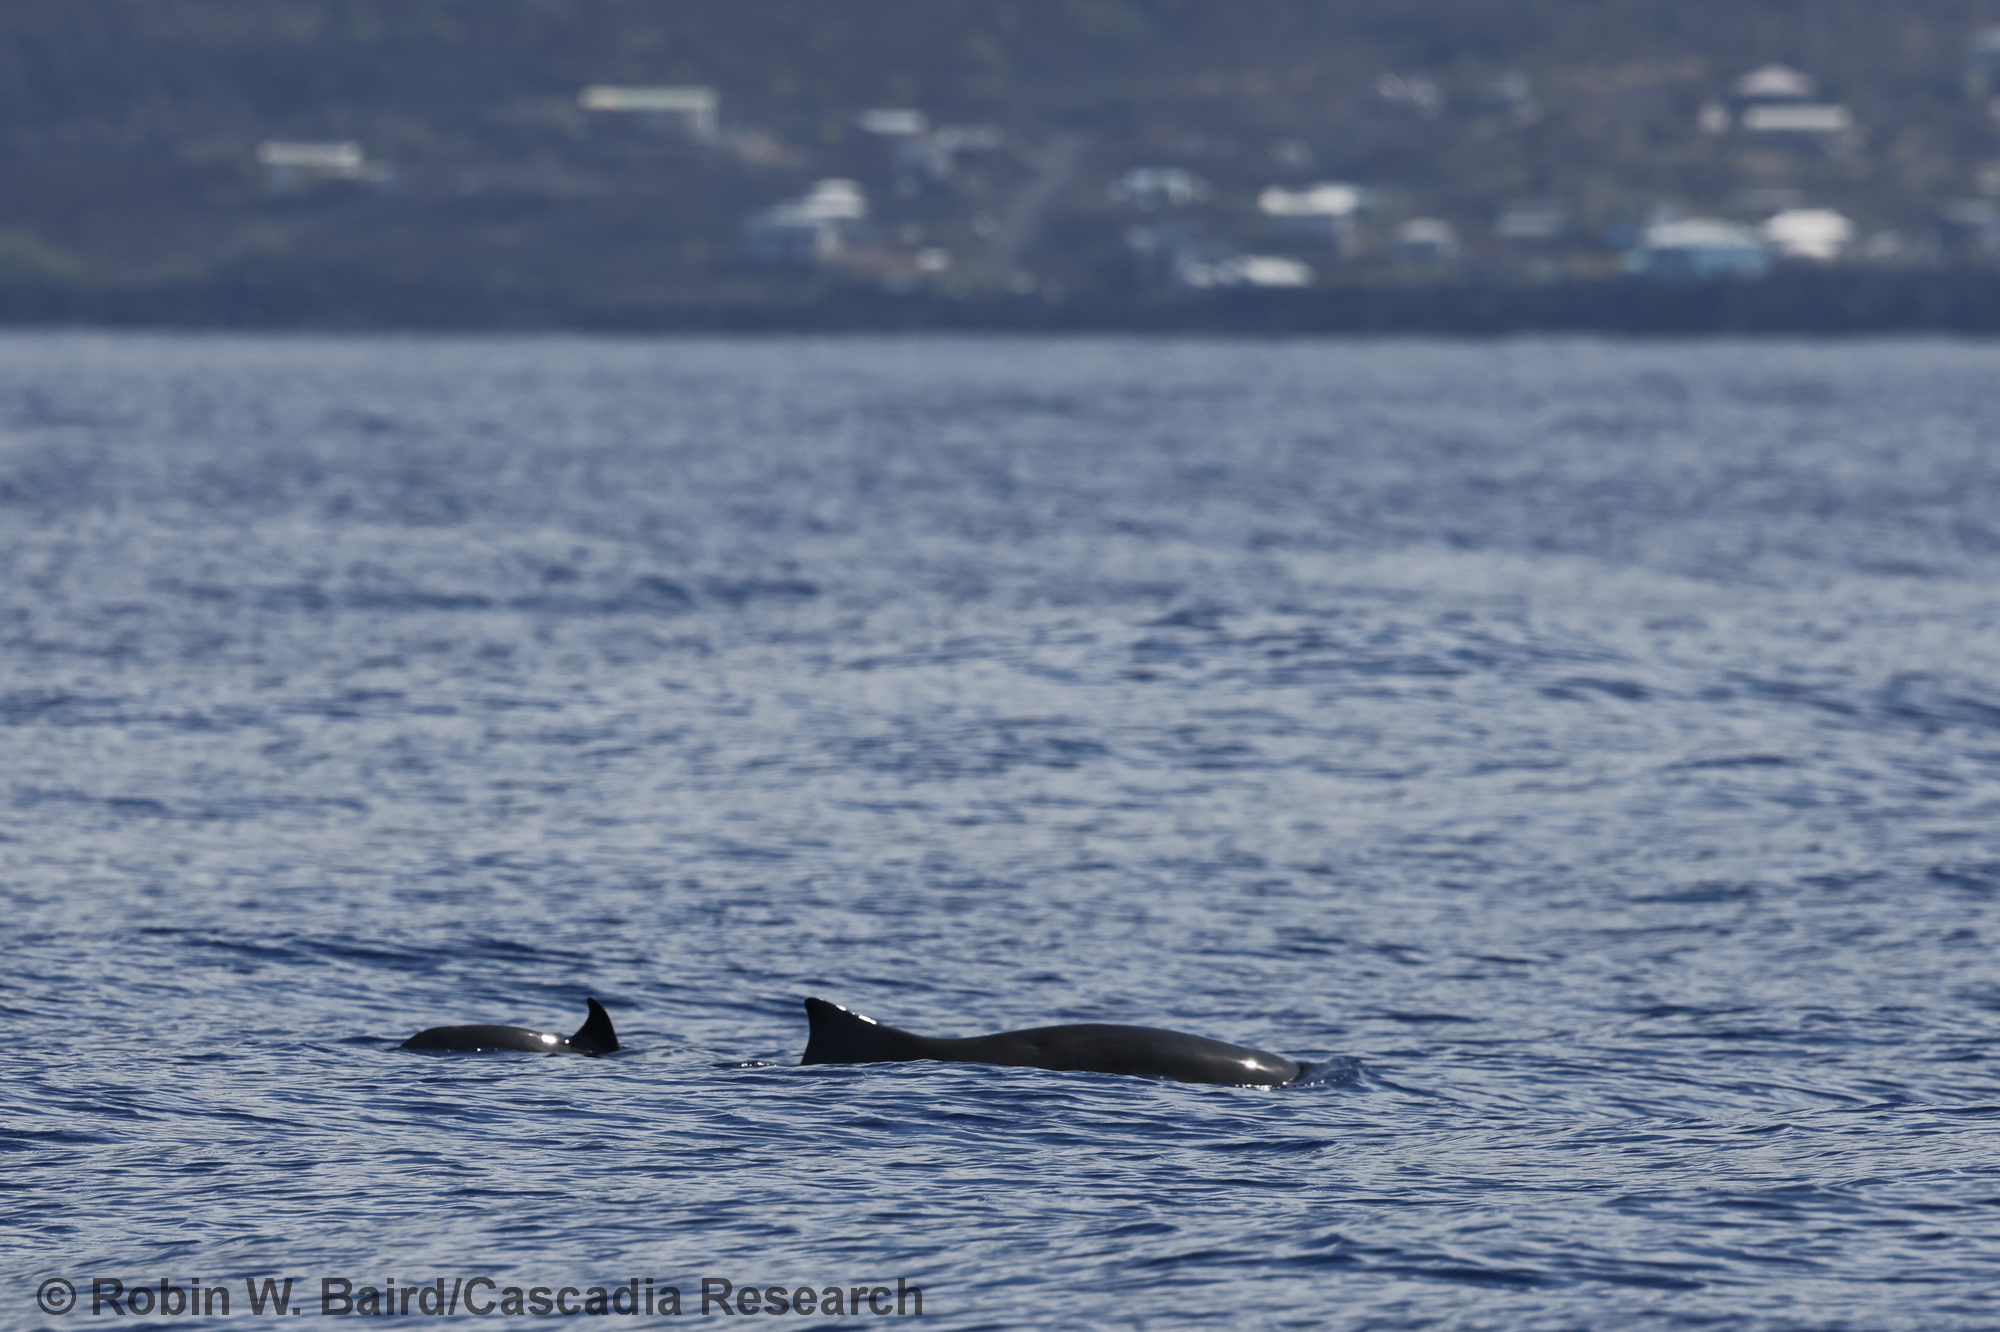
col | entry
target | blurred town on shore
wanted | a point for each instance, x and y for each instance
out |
(1017, 163)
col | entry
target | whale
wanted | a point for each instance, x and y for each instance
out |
(841, 1036)
(594, 1037)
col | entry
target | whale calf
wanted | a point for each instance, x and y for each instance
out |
(841, 1037)
(594, 1037)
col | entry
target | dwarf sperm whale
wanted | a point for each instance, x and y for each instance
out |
(594, 1037)
(841, 1037)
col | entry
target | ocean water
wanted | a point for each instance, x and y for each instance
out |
(1587, 754)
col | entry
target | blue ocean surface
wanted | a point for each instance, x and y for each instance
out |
(1587, 754)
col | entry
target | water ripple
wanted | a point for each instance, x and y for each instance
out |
(1582, 755)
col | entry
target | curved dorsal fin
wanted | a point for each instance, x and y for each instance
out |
(838, 1036)
(595, 1036)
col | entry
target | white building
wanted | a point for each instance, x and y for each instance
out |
(806, 231)
(1698, 249)
(1325, 214)
(1158, 187)
(1531, 221)
(1777, 100)
(1775, 83)
(1797, 118)
(693, 109)
(1427, 239)
(290, 167)
(1413, 93)
(893, 121)
(1818, 235)
(1269, 271)
(836, 201)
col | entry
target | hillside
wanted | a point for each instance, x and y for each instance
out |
(130, 134)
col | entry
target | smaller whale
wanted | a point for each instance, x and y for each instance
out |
(594, 1037)
(841, 1037)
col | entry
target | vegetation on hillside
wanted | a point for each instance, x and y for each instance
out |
(129, 132)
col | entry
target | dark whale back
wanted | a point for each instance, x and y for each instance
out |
(594, 1037)
(841, 1037)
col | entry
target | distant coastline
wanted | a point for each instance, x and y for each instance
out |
(1800, 303)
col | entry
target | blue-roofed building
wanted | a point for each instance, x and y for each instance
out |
(1699, 249)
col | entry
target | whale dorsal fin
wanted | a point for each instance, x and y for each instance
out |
(595, 1036)
(840, 1037)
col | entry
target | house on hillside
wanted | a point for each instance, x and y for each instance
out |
(1153, 188)
(692, 110)
(1325, 214)
(787, 236)
(1772, 85)
(1241, 272)
(923, 155)
(1532, 221)
(1176, 256)
(1982, 64)
(933, 157)
(1414, 94)
(1777, 100)
(1510, 98)
(291, 167)
(1968, 232)
(893, 122)
(1425, 240)
(806, 232)
(1699, 249)
(1811, 235)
